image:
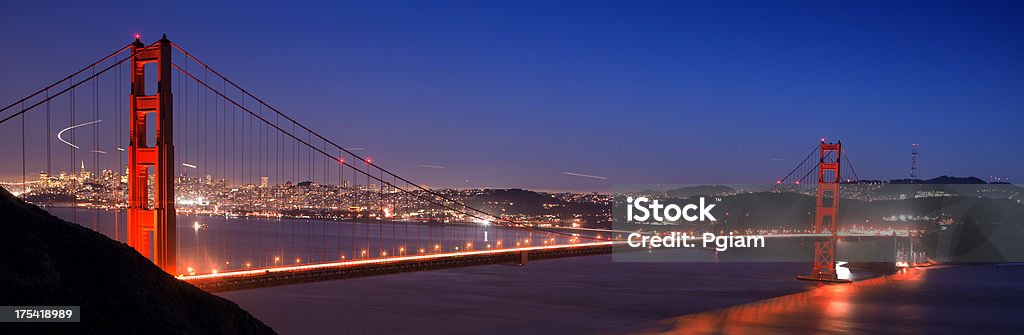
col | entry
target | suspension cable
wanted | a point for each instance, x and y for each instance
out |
(298, 140)
(47, 88)
(850, 164)
(72, 86)
(369, 164)
(809, 155)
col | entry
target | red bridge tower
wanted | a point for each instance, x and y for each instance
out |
(826, 219)
(151, 219)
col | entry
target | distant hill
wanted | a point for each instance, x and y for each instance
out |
(940, 180)
(703, 190)
(45, 261)
(518, 201)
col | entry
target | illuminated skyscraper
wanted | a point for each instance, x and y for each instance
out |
(84, 175)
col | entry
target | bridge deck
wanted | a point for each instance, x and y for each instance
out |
(285, 275)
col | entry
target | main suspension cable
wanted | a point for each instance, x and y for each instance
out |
(509, 223)
(47, 88)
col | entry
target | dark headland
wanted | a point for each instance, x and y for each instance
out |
(45, 261)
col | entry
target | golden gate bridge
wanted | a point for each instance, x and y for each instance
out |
(182, 128)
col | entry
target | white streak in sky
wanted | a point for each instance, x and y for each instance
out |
(584, 175)
(98, 151)
(188, 165)
(73, 127)
(431, 166)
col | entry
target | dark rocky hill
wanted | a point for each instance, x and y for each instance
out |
(45, 261)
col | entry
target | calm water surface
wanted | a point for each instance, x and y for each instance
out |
(223, 244)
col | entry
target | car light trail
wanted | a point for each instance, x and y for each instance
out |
(61, 132)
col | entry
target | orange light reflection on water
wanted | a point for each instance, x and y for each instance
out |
(827, 308)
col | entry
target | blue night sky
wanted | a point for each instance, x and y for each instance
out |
(514, 93)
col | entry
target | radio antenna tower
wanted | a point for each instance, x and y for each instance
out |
(913, 160)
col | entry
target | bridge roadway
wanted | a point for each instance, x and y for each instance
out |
(285, 275)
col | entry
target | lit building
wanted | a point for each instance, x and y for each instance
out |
(83, 174)
(44, 179)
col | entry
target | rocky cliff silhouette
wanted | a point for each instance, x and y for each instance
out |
(45, 261)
